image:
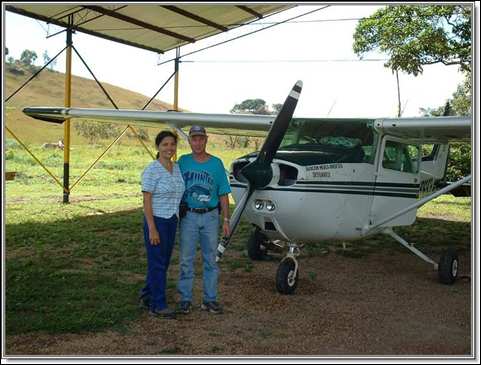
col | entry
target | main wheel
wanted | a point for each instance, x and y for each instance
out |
(255, 248)
(286, 277)
(448, 267)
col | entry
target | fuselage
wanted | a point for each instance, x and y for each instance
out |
(332, 182)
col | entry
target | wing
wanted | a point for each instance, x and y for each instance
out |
(153, 118)
(436, 129)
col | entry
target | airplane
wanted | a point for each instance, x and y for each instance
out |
(316, 179)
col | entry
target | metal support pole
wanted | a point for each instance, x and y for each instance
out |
(66, 124)
(34, 76)
(158, 91)
(95, 78)
(176, 86)
(143, 144)
(98, 158)
(35, 158)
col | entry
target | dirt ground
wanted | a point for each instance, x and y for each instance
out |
(383, 304)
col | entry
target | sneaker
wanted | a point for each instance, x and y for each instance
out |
(185, 307)
(166, 313)
(144, 302)
(211, 307)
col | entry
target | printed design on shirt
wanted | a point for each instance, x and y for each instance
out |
(200, 186)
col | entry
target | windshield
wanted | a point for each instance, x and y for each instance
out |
(342, 140)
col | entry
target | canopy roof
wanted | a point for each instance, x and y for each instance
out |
(154, 27)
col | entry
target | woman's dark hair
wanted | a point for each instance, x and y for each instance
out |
(161, 136)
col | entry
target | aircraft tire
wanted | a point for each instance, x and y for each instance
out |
(286, 283)
(448, 267)
(254, 249)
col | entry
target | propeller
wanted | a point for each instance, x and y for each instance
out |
(258, 173)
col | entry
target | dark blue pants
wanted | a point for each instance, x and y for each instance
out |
(158, 259)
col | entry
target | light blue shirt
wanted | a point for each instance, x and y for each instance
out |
(166, 188)
(204, 181)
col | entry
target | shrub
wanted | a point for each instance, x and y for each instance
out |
(95, 131)
(459, 163)
(9, 155)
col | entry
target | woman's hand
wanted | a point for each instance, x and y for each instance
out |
(154, 237)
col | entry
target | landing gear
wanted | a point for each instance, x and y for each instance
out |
(288, 271)
(256, 249)
(448, 267)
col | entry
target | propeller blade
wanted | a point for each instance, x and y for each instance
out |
(234, 221)
(259, 172)
(280, 125)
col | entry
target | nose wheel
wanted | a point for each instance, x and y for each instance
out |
(288, 272)
(256, 245)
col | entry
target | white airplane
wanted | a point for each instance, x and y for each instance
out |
(321, 178)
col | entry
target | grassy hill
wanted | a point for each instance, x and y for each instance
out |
(47, 89)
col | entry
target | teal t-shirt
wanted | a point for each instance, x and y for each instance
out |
(204, 181)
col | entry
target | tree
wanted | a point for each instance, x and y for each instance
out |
(28, 57)
(251, 106)
(417, 35)
(459, 163)
(276, 108)
(459, 104)
(461, 101)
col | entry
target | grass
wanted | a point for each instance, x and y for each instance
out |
(78, 267)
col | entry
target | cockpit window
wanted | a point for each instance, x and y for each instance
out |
(401, 157)
(350, 141)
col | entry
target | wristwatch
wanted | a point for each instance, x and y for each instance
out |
(226, 220)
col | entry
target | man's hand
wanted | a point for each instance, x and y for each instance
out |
(226, 228)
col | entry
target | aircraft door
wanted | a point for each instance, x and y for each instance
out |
(397, 181)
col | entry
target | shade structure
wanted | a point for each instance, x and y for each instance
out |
(154, 27)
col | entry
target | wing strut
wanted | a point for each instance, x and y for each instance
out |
(419, 203)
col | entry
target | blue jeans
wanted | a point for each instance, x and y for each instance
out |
(195, 227)
(158, 259)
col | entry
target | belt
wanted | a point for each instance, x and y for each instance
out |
(201, 210)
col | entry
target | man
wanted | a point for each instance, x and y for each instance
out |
(206, 186)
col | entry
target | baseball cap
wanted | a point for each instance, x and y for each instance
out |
(197, 130)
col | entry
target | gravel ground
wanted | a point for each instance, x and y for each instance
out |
(382, 304)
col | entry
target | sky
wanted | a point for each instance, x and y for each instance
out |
(264, 65)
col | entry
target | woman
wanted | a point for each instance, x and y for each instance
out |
(162, 188)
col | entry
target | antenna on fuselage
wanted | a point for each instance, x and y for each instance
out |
(332, 106)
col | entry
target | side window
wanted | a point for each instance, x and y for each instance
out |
(428, 151)
(401, 157)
